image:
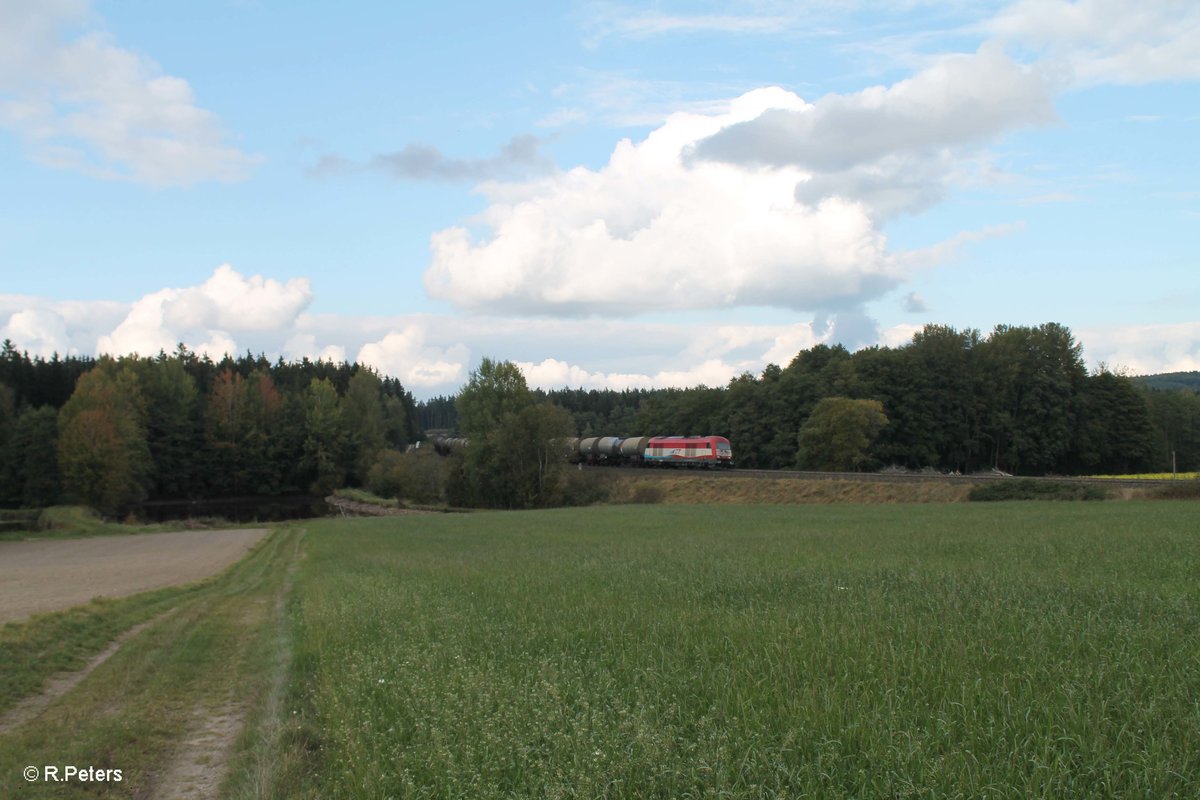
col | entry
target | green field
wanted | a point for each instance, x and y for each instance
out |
(1016, 650)
(1000, 650)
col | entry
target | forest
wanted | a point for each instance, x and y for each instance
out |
(1019, 399)
(112, 433)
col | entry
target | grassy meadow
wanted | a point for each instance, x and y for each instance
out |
(1003, 650)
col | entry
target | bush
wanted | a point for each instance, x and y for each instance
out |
(1030, 489)
(647, 494)
(73, 518)
(418, 476)
(582, 489)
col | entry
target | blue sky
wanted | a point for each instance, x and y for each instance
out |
(608, 194)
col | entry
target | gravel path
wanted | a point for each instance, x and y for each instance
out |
(48, 575)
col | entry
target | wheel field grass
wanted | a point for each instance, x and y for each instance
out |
(1007, 650)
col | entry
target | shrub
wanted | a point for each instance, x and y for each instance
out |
(1030, 489)
(647, 494)
(74, 518)
(418, 476)
(581, 488)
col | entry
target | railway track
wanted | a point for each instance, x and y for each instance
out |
(887, 477)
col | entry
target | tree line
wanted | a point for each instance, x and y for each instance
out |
(112, 433)
(1019, 399)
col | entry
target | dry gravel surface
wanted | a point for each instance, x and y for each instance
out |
(49, 575)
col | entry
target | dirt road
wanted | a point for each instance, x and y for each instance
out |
(40, 576)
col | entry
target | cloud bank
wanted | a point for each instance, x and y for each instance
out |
(432, 354)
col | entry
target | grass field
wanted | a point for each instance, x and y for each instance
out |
(1013, 650)
(1000, 650)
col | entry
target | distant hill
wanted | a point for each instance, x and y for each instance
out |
(1172, 380)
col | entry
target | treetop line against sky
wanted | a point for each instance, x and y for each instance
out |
(610, 195)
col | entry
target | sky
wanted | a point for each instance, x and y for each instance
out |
(610, 195)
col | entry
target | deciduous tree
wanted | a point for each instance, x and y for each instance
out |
(102, 451)
(839, 433)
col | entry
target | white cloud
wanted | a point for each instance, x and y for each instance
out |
(304, 345)
(404, 354)
(205, 316)
(899, 335)
(84, 103)
(1108, 41)
(704, 355)
(1143, 349)
(774, 201)
(44, 327)
(554, 374)
(961, 100)
(432, 354)
(649, 233)
(39, 330)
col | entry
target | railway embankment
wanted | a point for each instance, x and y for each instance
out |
(794, 487)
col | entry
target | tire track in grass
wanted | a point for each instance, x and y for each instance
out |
(32, 707)
(178, 704)
(201, 763)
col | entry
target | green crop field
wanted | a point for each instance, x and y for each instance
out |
(1008, 650)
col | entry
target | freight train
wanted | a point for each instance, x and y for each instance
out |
(653, 451)
(705, 452)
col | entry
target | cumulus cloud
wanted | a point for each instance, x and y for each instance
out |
(85, 103)
(405, 354)
(554, 374)
(705, 355)
(773, 202)
(1108, 41)
(204, 317)
(44, 327)
(432, 354)
(1143, 349)
(304, 345)
(648, 232)
(39, 330)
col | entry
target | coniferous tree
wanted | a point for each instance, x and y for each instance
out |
(34, 459)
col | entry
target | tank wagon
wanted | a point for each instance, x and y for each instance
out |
(654, 451)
